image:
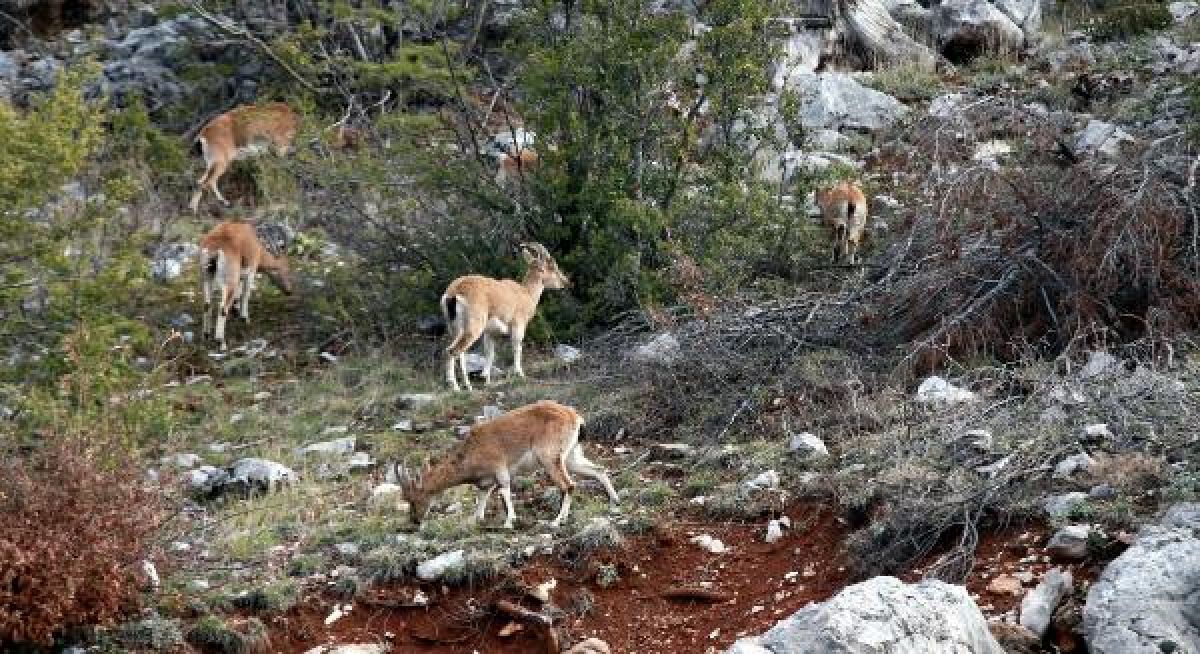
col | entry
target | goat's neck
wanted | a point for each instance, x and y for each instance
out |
(534, 286)
(266, 260)
(447, 473)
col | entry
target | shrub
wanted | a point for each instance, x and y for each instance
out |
(71, 534)
(1130, 20)
(1030, 258)
(235, 636)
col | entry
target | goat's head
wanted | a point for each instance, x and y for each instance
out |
(281, 275)
(544, 266)
(412, 488)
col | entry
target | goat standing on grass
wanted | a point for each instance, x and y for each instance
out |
(844, 209)
(544, 433)
(230, 256)
(476, 306)
(242, 133)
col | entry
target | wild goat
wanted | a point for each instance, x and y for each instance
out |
(510, 167)
(475, 306)
(844, 208)
(544, 433)
(230, 255)
(242, 133)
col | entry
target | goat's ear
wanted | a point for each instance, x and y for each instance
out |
(528, 252)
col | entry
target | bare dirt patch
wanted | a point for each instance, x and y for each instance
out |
(739, 592)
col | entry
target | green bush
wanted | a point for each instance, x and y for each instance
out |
(1130, 20)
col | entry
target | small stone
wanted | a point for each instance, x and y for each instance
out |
(774, 531)
(1005, 585)
(567, 354)
(765, 480)
(1073, 465)
(1070, 543)
(712, 545)
(670, 451)
(808, 445)
(435, 568)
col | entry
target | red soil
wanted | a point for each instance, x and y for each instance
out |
(630, 615)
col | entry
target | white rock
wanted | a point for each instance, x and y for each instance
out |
(947, 106)
(1070, 542)
(1149, 595)
(1181, 11)
(837, 101)
(663, 349)
(936, 390)
(882, 615)
(764, 480)
(774, 531)
(1108, 140)
(712, 545)
(185, 460)
(808, 445)
(151, 574)
(416, 400)
(1037, 607)
(343, 445)
(350, 649)
(1073, 465)
(1098, 431)
(262, 473)
(566, 353)
(435, 568)
(403, 425)
(205, 480)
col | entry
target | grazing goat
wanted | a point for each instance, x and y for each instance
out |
(476, 306)
(544, 434)
(844, 209)
(241, 133)
(510, 168)
(230, 255)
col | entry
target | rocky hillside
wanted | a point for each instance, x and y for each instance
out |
(978, 437)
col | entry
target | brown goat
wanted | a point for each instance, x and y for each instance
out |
(476, 306)
(241, 133)
(544, 434)
(844, 209)
(230, 256)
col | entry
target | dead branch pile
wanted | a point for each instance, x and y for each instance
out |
(1022, 244)
(735, 370)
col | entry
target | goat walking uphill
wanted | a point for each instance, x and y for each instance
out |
(230, 256)
(844, 209)
(476, 306)
(242, 133)
(544, 434)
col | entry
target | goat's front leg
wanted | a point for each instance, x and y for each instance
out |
(506, 494)
(484, 496)
(518, 335)
(247, 286)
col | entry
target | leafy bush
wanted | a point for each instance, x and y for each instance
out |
(1130, 20)
(71, 535)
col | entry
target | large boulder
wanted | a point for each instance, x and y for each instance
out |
(837, 101)
(968, 28)
(882, 614)
(170, 260)
(1148, 599)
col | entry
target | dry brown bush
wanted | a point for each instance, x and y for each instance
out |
(71, 536)
(1040, 248)
(1133, 473)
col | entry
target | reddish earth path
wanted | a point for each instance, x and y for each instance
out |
(750, 585)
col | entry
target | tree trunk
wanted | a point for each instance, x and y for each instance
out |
(866, 28)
